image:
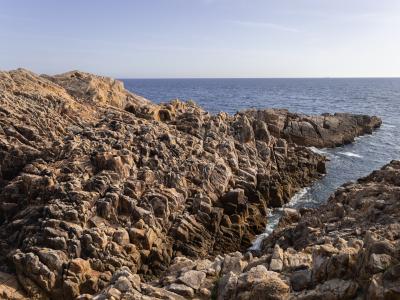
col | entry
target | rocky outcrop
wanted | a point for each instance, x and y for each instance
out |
(97, 90)
(10, 288)
(323, 131)
(96, 182)
(346, 249)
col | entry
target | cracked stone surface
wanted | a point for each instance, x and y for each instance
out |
(105, 194)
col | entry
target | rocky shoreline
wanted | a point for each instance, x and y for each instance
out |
(347, 249)
(104, 193)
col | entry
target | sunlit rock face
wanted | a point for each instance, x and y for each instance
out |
(102, 190)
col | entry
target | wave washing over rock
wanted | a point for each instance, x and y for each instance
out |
(104, 194)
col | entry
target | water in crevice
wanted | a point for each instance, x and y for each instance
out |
(372, 96)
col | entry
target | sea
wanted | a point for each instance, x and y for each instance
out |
(372, 96)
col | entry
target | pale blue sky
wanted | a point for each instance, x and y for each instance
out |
(203, 38)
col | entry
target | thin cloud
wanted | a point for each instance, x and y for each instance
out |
(267, 25)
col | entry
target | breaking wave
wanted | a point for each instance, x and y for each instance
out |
(275, 215)
(350, 154)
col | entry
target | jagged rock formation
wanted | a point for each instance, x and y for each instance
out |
(94, 179)
(347, 249)
(324, 131)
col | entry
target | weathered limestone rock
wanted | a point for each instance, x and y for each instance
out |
(259, 283)
(276, 264)
(320, 131)
(233, 263)
(227, 286)
(333, 289)
(181, 289)
(192, 278)
(342, 264)
(359, 256)
(95, 181)
(10, 289)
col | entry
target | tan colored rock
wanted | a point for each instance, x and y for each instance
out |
(294, 260)
(259, 283)
(181, 289)
(95, 179)
(227, 286)
(97, 89)
(233, 263)
(276, 264)
(149, 238)
(192, 278)
(10, 289)
(334, 289)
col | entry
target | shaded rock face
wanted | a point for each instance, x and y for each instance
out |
(96, 181)
(348, 249)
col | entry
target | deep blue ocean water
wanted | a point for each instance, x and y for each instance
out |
(370, 96)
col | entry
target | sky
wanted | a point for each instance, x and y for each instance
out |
(203, 38)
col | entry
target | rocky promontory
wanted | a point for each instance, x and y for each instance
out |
(104, 193)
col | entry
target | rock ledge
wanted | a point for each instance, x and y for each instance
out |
(102, 191)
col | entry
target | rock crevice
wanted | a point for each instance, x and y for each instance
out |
(98, 185)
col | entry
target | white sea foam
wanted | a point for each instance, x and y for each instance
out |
(274, 217)
(350, 154)
(297, 197)
(318, 151)
(273, 220)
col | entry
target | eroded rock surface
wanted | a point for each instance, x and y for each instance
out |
(350, 246)
(323, 131)
(347, 249)
(98, 185)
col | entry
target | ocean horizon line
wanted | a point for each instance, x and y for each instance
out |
(206, 78)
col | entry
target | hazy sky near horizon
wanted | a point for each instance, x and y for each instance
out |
(203, 38)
